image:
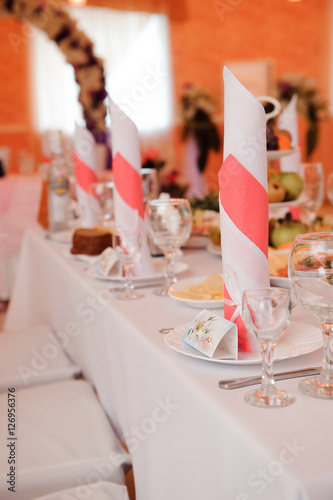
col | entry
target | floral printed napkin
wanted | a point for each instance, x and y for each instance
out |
(213, 336)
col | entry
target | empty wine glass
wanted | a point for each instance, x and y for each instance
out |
(266, 313)
(329, 188)
(169, 223)
(101, 201)
(311, 279)
(128, 244)
(312, 196)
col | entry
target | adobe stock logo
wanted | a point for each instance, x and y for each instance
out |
(263, 477)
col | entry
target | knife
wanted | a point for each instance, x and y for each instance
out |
(244, 382)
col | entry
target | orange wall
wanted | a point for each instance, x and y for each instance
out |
(294, 35)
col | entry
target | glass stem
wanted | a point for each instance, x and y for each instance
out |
(326, 375)
(128, 287)
(170, 269)
(267, 380)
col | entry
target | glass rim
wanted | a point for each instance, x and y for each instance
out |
(320, 237)
(173, 201)
(277, 290)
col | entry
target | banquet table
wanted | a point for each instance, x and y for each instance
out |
(188, 439)
(19, 205)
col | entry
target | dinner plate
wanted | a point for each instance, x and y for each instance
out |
(284, 204)
(280, 153)
(197, 241)
(88, 259)
(214, 249)
(300, 338)
(61, 236)
(157, 275)
(199, 304)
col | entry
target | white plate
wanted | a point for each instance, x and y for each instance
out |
(214, 249)
(61, 236)
(88, 259)
(157, 276)
(284, 204)
(197, 241)
(299, 339)
(279, 281)
(279, 153)
(199, 304)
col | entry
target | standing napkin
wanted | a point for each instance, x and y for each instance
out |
(85, 172)
(288, 120)
(128, 191)
(243, 202)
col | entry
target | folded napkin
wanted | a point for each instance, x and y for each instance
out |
(212, 335)
(85, 172)
(243, 202)
(288, 120)
(128, 191)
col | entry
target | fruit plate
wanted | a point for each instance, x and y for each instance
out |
(284, 204)
(280, 153)
(214, 249)
(199, 304)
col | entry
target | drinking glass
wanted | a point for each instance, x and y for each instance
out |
(127, 244)
(312, 196)
(329, 188)
(169, 223)
(266, 313)
(311, 280)
(149, 183)
(101, 202)
(74, 211)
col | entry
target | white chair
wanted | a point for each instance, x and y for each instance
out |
(63, 440)
(96, 491)
(33, 357)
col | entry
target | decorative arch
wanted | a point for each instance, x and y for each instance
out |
(54, 20)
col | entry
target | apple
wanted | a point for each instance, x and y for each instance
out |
(286, 231)
(292, 182)
(276, 191)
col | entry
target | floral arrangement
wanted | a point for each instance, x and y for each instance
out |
(51, 17)
(309, 104)
(196, 110)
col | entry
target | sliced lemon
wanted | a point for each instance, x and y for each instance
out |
(213, 284)
(191, 296)
(196, 289)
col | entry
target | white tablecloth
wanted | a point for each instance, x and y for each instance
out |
(188, 438)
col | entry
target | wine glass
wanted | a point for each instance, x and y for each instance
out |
(312, 196)
(329, 188)
(169, 223)
(74, 211)
(266, 313)
(127, 244)
(311, 280)
(101, 201)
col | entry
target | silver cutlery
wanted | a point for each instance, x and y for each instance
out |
(244, 382)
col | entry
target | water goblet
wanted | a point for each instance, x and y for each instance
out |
(169, 223)
(312, 196)
(127, 244)
(101, 201)
(266, 313)
(311, 279)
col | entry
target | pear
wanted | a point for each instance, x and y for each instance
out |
(292, 182)
(286, 232)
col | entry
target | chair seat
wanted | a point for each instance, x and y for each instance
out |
(64, 439)
(96, 491)
(33, 357)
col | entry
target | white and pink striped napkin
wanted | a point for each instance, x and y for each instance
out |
(85, 172)
(128, 191)
(243, 202)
